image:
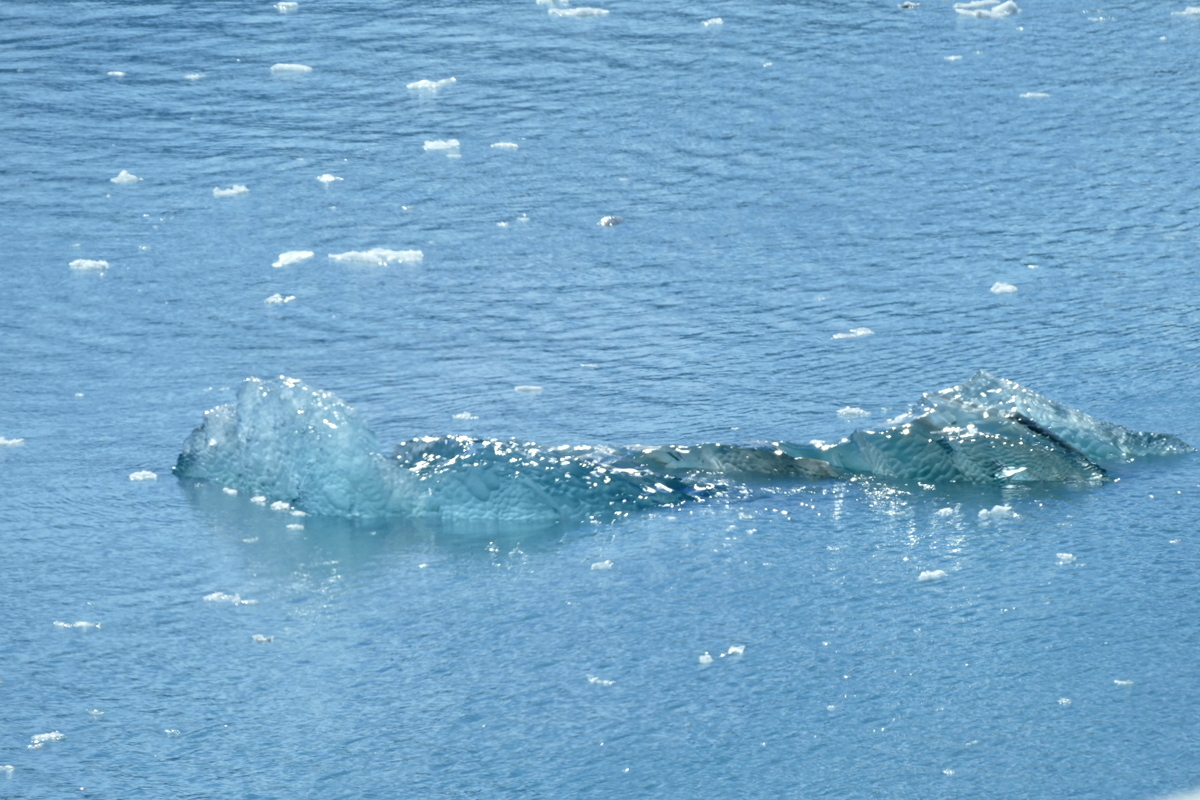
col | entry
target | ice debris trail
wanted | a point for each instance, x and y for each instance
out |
(287, 442)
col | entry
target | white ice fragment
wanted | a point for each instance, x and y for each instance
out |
(328, 179)
(855, 333)
(431, 86)
(379, 256)
(258, 499)
(1003, 288)
(1065, 558)
(38, 741)
(947, 772)
(277, 298)
(599, 681)
(524, 389)
(236, 599)
(945, 512)
(608, 222)
(606, 564)
(505, 145)
(953, 58)
(194, 76)
(292, 257)
(286, 7)
(298, 513)
(258, 637)
(295, 526)
(997, 512)
(465, 415)
(172, 732)
(932, 575)
(736, 650)
(232, 191)
(1064, 701)
(1190, 11)
(582, 11)
(143, 475)
(116, 73)
(229, 491)
(708, 23)
(87, 263)
(988, 9)
(124, 177)
(11, 442)
(705, 659)
(83, 626)
(851, 412)
(290, 69)
(281, 505)
(1120, 682)
(1028, 95)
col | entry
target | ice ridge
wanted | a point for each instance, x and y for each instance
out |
(289, 443)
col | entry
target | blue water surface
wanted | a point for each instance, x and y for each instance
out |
(797, 171)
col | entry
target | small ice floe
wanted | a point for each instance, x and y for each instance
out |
(290, 69)
(501, 224)
(83, 626)
(116, 73)
(527, 389)
(464, 415)
(298, 513)
(194, 76)
(291, 257)
(447, 146)
(932, 575)
(431, 86)
(947, 772)
(599, 681)
(709, 23)
(281, 505)
(229, 491)
(505, 146)
(277, 299)
(379, 256)
(258, 637)
(295, 526)
(1064, 701)
(606, 564)
(1003, 288)
(232, 191)
(851, 412)
(258, 500)
(11, 442)
(1034, 95)
(854, 333)
(88, 264)
(125, 177)
(987, 9)
(997, 512)
(328, 179)
(221, 597)
(286, 8)
(706, 659)
(1065, 558)
(38, 741)
(1190, 11)
(143, 475)
(582, 11)
(735, 650)
(608, 222)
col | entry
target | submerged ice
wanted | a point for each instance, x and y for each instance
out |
(296, 447)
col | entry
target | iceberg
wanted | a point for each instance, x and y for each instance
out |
(287, 444)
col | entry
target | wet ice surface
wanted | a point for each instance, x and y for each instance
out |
(861, 180)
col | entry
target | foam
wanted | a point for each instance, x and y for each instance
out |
(1034, 95)
(236, 599)
(232, 191)
(945, 512)
(278, 299)
(143, 475)
(464, 415)
(1064, 701)
(171, 732)
(932, 575)
(80, 625)
(505, 145)
(708, 23)
(608, 222)
(599, 681)
(602, 565)
(260, 639)
(528, 389)
(38, 741)
(987, 9)
(96, 713)
(582, 11)
(449, 145)
(854, 333)
(87, 263)
(295, 526)
(290, 69)
(431, 86)
(327, 178)
(1120, 682)
(1065, 558)
(291, 257)
(1190, 11)
(194, 76)
(11, 442)
(850, 412)
(125, 177)
(379, 256)
(286, 7)
(997, 512)
(1003, 288)
(116, 73)
(953, 58)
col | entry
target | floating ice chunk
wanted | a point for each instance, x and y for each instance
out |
(608, 222)
(194, 76)
(432, 86)
(232, 191)
(1120, 682)
(38, 741)
(236, 599)
(582, 11)
(947, 772)
(143, 475)
(281, 505)
(850, 412)
(1034, 95)
(327, 178)
(447, 146)
(706, 659)
(528, 389)
(1190, 11)
(290, 69)
(379, 256)
(599, 565)
(87, 263)
(277, 299)
(1065, 558)
(708, 23)
(298, 513)
(125, 177)
(953, 58)
(932, 575)
(292, 257)
(505, 145)
(945, 512)
(854, 333)
(286, 7)
(295, 526)
(599, 681)
(83, 626)
(1003, 288)
(258, 499)
(229, 491)
(736, 650)
(172, 732)
(988, 9)
(997, 512)
(465, 415)
(1064, 701)
(258, 637)
(116, 73)
(11, 442)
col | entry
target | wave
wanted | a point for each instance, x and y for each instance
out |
(292, 444)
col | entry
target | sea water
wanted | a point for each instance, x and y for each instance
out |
(825, 210)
